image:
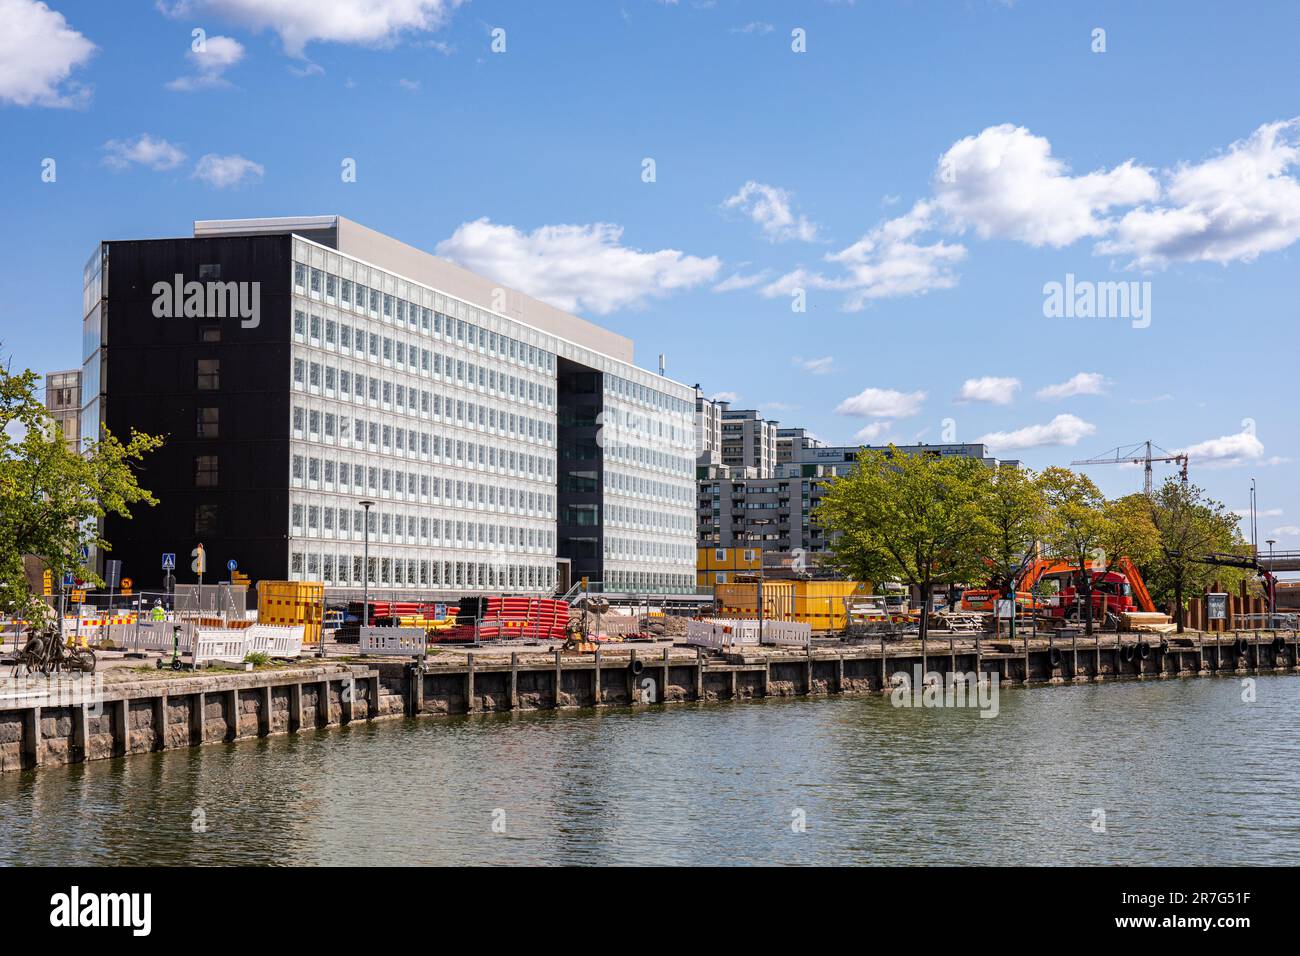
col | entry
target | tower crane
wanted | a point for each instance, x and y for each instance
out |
(1143, 453)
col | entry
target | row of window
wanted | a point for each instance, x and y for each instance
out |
(398, 572)
(398, 528)
(341, 428)
(389, 482)
(398, 355)
(322, 286)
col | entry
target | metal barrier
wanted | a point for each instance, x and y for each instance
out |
(395, 641)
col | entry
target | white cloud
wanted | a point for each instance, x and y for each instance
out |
(1084, 383)
(38, 52)
(218, 55)
(144, 150)
(1061, 430)
(882, 403)
(817, 366)
(990, 388)
(1005, 184)
(754, 26)
(1163, 397)
(873, 432)
(225, 171)
(1226, 450)
(575, 266)
(411, 86)
(1285, 531)
(737, 281)
(300, 22)
(770, 207)
(1232, 207)
(884, 263)
(724, 397)
(1265, 513)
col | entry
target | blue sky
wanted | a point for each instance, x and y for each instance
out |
(920, 171)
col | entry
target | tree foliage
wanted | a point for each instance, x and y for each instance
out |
(51, 496)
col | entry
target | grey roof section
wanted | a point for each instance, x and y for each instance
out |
(360, 242)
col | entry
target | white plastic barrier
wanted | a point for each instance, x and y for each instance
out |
(398, 641)
(280, 640)
(220, 645)
(722, 633)
(153, 635)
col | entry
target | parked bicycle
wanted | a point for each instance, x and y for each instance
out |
(47, 653)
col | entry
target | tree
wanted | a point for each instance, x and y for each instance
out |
(1076, 526)
(1015, 510)
(51, 496)
(915, 518)
(1129, 530)
(1190, 526)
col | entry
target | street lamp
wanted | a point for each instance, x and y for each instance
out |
(1271, 581)
(367, 504)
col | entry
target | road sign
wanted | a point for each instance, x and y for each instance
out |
(232, 564)
(200, 562)
(169, 561)
(67, 579)
(85, 552)
(47, 582)
(78, 597)
(113, 573)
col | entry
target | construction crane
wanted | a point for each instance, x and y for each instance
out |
(1143, 453)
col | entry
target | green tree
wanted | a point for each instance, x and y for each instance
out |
(1130, 530)
(51, 496)
(1015, 512)
(913, 518)
(1076, 526)
(1190, 526)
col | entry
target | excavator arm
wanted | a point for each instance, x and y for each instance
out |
(1127, 568)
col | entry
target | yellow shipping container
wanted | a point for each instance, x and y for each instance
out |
(292, 602)
(741, 600)
(821, 603)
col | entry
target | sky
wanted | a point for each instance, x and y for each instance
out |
(876, 220)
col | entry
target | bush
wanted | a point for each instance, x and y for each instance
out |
(257, 658)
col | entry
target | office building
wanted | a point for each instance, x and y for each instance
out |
(301, 366)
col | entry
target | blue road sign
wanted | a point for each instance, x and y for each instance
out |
(231, 565)
(85, 552)
(169, 561)
(67, 579)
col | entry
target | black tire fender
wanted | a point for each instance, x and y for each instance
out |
(635, 666)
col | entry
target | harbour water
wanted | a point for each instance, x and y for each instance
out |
(1156, 772)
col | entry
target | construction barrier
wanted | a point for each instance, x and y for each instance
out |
(284, 641)
(292, 603)
(724, 633)
(230, 647)
(395, 641)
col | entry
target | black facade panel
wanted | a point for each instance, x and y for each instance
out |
(153, 383)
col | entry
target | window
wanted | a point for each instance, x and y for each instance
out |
(208, 422)
(205, 519)
(208, 375)
(209, 270)
(209, 333)
(205, 471)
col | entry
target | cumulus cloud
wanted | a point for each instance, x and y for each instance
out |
(300, 22)
(990, 388)
(222, 172)
(772, 209)
(882, 403)
(1084, 383)
(887, 262)
(873, 432)
(737, 281)
(38, 52)
(1005, 184)
(1285, 531)
(210, 63)
(1227, 450)
(575, 266)
(729, 397)
(1061, 430)
(144, 150)
(1232, 207)
(817, 366)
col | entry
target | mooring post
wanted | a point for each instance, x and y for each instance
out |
(807, 671)
(232, 710)
(595, 683)
(663, 691)
(198, 718)
(1026, 640)
(469, 683)
(514, 680)
(160, 722)
(323, 704)
(264, 715)
(979, 657)
(699, 673)
(884, 681)
(81, 730)
(952, 655)
(559, 669)
(32, 736)
(839, 673)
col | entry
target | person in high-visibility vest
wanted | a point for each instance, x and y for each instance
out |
(158, 614)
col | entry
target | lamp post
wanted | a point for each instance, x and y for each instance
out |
(1271, 581)
(367, 504)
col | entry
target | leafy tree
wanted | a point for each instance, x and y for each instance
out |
(1077, 526)
(51, 496)
(914, 518)
(1190, 526)
(1015, 511)
(1129, 530)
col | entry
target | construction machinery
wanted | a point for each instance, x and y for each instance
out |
(1114, 590)
(1143, 453)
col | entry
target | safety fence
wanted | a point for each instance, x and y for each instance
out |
(394, 641)
(721, 633)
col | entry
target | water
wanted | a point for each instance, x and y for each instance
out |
(1185, 771)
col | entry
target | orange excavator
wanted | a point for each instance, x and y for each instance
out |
(1116, 590)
